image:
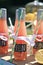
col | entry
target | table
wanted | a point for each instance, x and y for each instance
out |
(25, 62)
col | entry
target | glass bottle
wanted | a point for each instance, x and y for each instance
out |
(20, 47)
(39, 32)
(3, 31)
(31, 11)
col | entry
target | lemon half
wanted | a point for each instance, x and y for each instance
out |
(39, 56)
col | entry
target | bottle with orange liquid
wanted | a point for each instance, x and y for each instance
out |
(20, 47)
(39, 32)
(3, 31)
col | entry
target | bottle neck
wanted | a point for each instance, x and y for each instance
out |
(3, 13)
(22, 17)
(21, 22)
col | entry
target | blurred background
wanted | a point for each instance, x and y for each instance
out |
(12, 5)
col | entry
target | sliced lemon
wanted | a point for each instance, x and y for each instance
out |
(39, 56)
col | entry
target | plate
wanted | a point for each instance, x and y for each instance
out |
(39, 56)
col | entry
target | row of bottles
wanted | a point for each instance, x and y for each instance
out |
(20, 49)
(19, 29)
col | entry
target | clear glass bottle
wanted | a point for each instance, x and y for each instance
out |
(31, 14)
(3, 31)
(20, 47)
(39, 32)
